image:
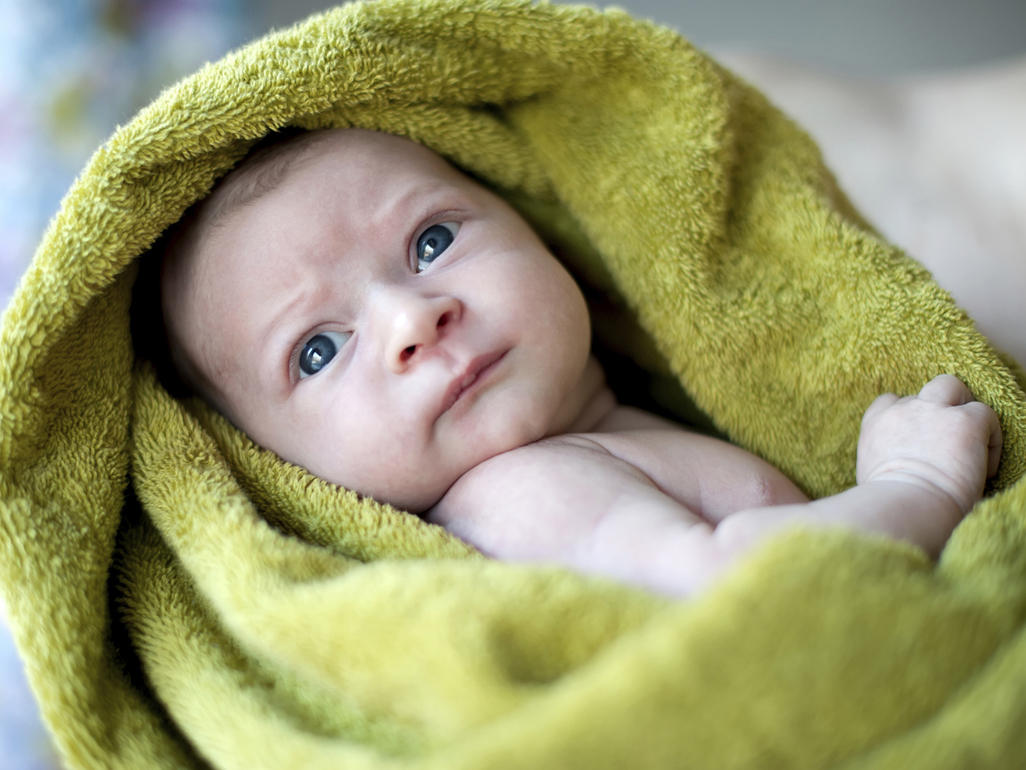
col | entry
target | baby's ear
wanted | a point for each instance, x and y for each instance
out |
(149, 332)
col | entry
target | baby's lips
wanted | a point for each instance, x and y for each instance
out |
(467, 376)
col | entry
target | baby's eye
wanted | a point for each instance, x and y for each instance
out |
(433, 242)
(319, 350)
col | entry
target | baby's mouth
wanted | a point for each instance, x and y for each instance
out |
(474, 373)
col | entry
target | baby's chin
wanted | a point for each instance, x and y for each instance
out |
(416, 496)
(419, 495)
(447, 459)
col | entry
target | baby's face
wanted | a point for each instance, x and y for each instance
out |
(382, 320)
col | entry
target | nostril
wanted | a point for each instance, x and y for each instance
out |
(443, 319)
(407, 353)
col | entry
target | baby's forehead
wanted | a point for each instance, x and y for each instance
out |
(369, 157)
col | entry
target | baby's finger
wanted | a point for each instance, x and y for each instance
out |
(994, 437)
(946, 389)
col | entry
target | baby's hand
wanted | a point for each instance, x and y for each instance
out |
(942, 440)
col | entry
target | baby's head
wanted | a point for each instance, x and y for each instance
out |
(360, 307)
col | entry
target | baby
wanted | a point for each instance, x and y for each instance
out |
(366, 311)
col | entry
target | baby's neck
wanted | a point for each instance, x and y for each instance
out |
(596, 401)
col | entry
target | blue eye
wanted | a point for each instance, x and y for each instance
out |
(318, 352)
(433, 241)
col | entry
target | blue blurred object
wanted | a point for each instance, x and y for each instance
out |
(24, 743)
(70, 71)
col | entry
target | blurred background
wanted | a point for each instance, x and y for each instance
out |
(72, 70)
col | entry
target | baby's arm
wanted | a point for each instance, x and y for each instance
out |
(922, 465)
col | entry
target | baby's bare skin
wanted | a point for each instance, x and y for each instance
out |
(643, 501)
(381, 320)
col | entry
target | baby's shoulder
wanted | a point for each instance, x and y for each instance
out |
(625, 446)
(564, 458)
(555, 466)
(554, 490)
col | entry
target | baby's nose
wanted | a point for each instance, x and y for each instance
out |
(417, 324)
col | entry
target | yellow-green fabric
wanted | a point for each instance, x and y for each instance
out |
(184, 599)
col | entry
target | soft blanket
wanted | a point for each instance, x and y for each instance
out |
(184, 599)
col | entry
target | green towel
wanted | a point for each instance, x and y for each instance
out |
(184, 599)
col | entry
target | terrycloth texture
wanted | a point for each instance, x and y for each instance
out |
(182, 598)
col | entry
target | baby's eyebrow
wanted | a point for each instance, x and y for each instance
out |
(413, 202)
(286, 327)
(278, 319)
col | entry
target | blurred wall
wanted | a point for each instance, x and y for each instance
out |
(870, 37)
